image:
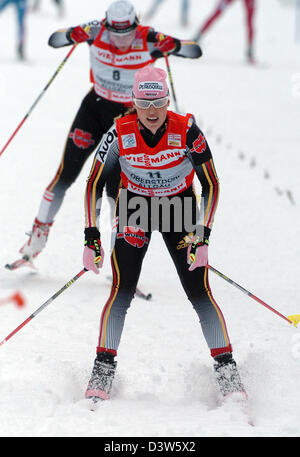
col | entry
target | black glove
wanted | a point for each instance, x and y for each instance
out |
(92, 243)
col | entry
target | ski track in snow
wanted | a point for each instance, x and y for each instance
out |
(164, 384)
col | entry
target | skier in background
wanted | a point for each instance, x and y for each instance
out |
(21, 9)
(159, 153)
(297, 22)
(59, 4)
(221, 6)
(184, 11)
(118, 47)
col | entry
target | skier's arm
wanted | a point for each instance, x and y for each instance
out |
(160, 44)
(200, 155)
(62, 37)
(105, 161)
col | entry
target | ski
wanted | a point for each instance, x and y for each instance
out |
(138, 291)
(94, 403)
(23, 262)
(238, 401)
(141, 294)
(189, 49)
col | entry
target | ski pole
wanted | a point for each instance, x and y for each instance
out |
(141, 294)
(43, 306)
(138, 292)
(87, 28)
(171, 81)
(294, 319)
(38, 99)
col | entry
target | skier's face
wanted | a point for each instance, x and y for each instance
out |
(122, 41)
(152, 117)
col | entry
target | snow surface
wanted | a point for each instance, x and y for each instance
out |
(164, 386)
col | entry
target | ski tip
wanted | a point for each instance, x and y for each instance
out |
(94, 403)
(23, 262)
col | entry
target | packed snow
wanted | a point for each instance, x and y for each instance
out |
(164, 384)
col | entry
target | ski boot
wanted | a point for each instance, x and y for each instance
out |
(20, 51)
(250, 56)
(100, 383)
(37, 239)
(227, 375)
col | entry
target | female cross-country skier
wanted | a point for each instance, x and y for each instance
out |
(218, 11)
(119, 46)
(158, 153)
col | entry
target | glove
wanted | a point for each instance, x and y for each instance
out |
(78, 35)
(93, 253)
(165, 43)
(197, 253)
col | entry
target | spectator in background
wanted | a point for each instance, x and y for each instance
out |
(21, 13)
(221, 6)
(183, 11)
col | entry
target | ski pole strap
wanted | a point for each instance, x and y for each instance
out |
(95, 245)
(197, 243)
(92, 241)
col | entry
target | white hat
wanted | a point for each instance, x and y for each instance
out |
(121, 17)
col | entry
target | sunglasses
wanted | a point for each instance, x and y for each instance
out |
(145, 104)
(119, 34)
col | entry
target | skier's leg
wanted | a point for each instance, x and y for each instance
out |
(60, 6)
(3, 4)
(126, 261)
(153, 9)
(21, 14)
(36, 5)
(93, 119)
(184, 12)
(212, 18)
(250, 11)
(82, 139)
(196, 286)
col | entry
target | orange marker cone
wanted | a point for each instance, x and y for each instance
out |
(17, 298)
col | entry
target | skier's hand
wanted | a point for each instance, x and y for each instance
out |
(93, 253)
(78, 35)
(165, 43)
(197, 253)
